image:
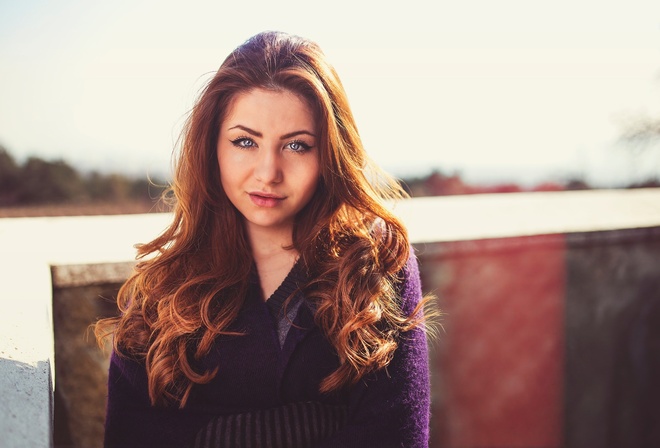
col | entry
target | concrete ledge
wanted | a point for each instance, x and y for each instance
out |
(67, 276)
(26, 354)
(485, 216)
(35, 255)
(38, 253)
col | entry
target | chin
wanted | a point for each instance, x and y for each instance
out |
(270, 224)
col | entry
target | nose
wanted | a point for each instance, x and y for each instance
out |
(268, 167)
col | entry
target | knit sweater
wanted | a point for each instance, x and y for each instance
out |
(266, 391)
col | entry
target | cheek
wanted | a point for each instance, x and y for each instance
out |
(310, 180)
(230, 168)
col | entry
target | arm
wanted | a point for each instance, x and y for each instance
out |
(391, 407)
(131, 421)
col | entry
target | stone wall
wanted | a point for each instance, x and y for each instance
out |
(547, 340)
(498, 363)
(613, 340)
(80, 365)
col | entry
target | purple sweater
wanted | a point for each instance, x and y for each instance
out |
(266, 391)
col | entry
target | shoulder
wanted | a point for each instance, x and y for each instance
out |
(127, 370)
(410, 284)
(409, 288)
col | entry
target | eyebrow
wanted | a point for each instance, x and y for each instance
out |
(260, 135)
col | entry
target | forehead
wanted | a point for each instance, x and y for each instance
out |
(270, 108)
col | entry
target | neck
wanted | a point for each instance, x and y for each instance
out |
(272, 259)
(268, 244)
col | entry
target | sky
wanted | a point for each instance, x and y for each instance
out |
(506, 91)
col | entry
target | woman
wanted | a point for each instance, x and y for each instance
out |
(282, 307)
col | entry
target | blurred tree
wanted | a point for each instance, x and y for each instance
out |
(39, 181)
(642, 132)
(577, 183)
(117, 188)
(638, 136)
(10, 174)
(97, 186)
(112, 187)
(50, 182)
(147, 190)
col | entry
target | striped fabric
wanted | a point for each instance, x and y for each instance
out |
(295, 425)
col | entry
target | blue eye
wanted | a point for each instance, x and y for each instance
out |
(298, 146)
(244, 142)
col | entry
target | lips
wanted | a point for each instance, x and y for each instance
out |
(262, 199)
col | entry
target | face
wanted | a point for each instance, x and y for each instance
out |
(269, 158)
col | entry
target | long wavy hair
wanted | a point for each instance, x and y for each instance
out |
(191, 281)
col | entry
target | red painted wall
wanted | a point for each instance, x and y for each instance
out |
(499, 363)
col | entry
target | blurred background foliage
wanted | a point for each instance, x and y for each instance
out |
(38, 182)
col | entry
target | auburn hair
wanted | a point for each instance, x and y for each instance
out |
(190, 282)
